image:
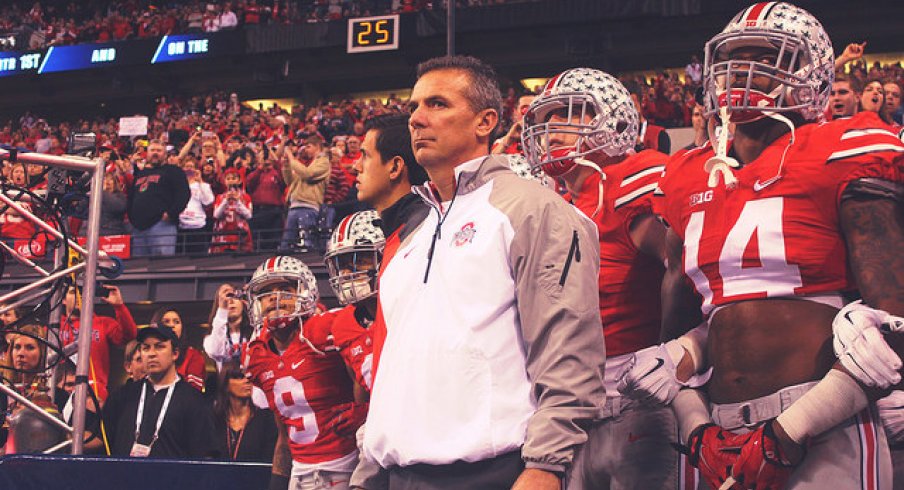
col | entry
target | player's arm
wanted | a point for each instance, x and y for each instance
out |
(874, 232)
(648, 235)
(680, 304)
(282, 458)
(873, 225)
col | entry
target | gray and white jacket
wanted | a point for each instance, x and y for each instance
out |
(494, 341)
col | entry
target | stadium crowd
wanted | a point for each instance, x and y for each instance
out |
(66, 22)
(543, 415)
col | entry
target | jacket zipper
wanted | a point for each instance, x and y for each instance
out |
(574, 254)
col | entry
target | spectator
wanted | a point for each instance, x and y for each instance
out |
(893, 100)
(232, 211)
(157, 197)
(511, 141)
(132, 363)
(193, 223)
(306, 186)
(26, 357)
(113, 207)
(195, 20)
(106, 331)
(172, 420)
(229, 326)
(873, 97)
(337, 189)
(244, 432)
(266, 187)
(694, 71)
(651, 136)
(844, 97)
(190, 365)
(228, 19)
(701, 133)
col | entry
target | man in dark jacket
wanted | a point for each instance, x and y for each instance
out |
(157, 196)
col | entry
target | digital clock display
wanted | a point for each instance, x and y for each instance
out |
(373, 33)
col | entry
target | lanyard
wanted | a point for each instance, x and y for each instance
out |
(235, 452)
(140, 414)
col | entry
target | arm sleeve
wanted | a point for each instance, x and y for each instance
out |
(252, 182)
(318, 170)
(194, 369)
(220, 209)
(287, 168)
(181, 192)
(215, 344)
(244, 207)
(124, 328)
(555, 258)
(206, 194)
(867, 150)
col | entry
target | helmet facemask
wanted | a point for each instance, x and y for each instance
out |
(288, 305)
(353, 273)
(576, 108)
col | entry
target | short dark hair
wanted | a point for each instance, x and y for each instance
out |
(315, 139)
(394, 140)
(855, 84)
(483, 91)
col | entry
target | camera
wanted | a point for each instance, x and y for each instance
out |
(209, 160)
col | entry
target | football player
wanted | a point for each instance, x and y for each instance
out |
(353, 258)
(304, 379)
(774, 226)
(582, 129)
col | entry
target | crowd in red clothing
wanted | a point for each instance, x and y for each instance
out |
(64, 22)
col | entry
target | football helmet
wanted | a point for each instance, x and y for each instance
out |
(353, 256)
(582, 93)
(804, 68)
(518, 163)
(292, 272)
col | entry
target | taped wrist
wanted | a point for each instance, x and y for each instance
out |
(694, 342)
(833, 400)
(691, 410)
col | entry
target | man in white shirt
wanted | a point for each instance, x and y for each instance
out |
(493, 348)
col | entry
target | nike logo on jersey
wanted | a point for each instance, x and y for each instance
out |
(758, 186)
(659, 363)
(296, 364)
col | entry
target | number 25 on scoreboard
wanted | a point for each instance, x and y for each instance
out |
(373, 33)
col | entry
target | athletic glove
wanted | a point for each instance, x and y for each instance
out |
(861, 348)
(714, 451)
(650, 376)
(762, 465)
(346, 418)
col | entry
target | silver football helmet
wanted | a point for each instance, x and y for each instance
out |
(278, 282)
(803, 70)
(594, 106)
(353, 256)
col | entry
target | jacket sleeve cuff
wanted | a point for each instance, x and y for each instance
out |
(552, 468)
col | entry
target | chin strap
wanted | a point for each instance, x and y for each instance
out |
(722, 164)
(594, 166)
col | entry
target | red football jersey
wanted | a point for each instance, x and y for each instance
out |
(355, 345)
(777, 233)
(629, 280)
(303, 387)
